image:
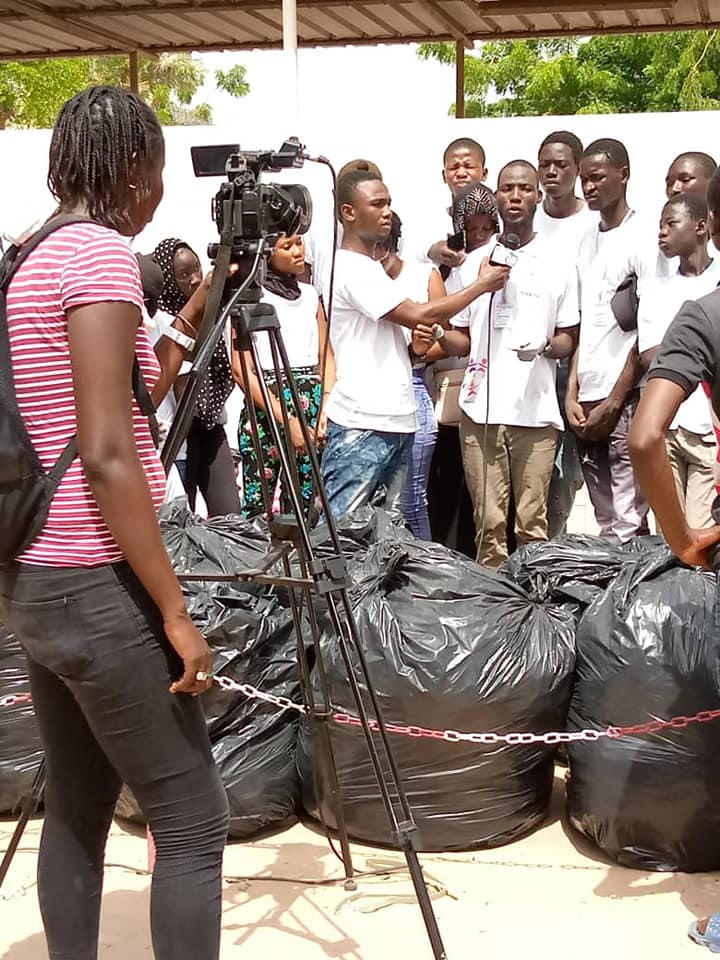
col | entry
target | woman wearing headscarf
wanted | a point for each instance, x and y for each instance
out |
(475, 217)
(209, 464)
(304, 331)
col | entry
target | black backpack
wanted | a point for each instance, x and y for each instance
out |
(26, 488)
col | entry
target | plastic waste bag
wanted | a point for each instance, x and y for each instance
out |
(449, 645)
(20, 749)
(253, 641)
(649, 648)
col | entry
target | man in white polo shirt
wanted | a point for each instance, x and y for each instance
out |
(605, 372)
(371, 410)
(511, 416)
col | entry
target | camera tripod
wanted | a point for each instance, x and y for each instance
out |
(319, 577)
(324, 577)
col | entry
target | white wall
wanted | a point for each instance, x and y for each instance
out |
(410, 159)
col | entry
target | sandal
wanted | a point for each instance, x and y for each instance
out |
(711, 937)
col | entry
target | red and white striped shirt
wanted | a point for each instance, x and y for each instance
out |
(77, 265)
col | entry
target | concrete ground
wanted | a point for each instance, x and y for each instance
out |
(550, 895)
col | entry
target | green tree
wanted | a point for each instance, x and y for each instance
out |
(627, 74)
(32, 91)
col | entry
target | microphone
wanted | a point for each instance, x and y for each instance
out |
(503, 254)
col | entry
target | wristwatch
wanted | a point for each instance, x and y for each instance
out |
(187, 343)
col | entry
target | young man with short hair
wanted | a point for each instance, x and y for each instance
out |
(463, 164)
(562, 219)
(511, 416)
(449, 504)
(689, 171)
(371, 410)
(615, 257)
(690, 438)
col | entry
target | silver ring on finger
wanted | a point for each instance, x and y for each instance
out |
(202, 675)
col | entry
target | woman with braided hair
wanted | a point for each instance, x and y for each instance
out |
(209, 465)
(115, 661)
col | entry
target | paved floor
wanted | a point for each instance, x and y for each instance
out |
(548, 896)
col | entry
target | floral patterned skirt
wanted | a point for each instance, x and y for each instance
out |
(309, 389)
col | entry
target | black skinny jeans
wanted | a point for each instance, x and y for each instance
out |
(210, 470)
(100, 667)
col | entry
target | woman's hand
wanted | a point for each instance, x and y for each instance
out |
(296, 435)
(192, 648)
(321, 427)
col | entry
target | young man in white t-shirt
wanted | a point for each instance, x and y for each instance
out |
(511, 416)
(562, 219)
(690, 438)
(371, 410)
(463, 164)
(605, 372)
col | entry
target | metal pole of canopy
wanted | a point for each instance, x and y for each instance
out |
(290, 46)
(459, 80)
(134, 72)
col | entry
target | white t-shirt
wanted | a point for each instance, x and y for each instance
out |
(298, 326)
(605, 260)
(662, 299)
(319, 254)
(166, 409)
(373, 387)
(564, 233)
(540, 296)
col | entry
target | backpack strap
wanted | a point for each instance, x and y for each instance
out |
(16, 255)
(11, 262)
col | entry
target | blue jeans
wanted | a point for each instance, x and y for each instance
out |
(361, 467)
(414, 498)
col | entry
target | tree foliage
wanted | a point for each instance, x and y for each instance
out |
(638, 73)
(32, 91)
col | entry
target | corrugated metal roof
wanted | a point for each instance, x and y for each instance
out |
(40, 28)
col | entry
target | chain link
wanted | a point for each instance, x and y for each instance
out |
(14, 699)
(452, 736)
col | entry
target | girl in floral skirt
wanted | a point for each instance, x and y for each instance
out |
(304, 331)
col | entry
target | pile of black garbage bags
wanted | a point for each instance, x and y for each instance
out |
(576, 634)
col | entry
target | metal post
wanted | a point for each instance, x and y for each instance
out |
(459, 80)
(290, 45)
(134, 72)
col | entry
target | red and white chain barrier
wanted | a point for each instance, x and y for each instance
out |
(452, 736)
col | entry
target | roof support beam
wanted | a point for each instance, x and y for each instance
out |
(459, 80)
(66, 24)
(454, 28)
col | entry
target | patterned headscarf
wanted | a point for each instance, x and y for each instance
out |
(218, 382)
(172, 299)
(474, 199)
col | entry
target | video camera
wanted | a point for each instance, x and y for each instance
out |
(245, 209)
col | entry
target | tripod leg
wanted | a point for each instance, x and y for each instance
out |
(403, 828)
(318, 723)
(28, 806)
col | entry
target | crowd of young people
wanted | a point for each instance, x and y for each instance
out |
(559, 304)
(565, 295)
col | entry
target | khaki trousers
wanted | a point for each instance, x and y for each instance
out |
(519, 464)
(693, 463)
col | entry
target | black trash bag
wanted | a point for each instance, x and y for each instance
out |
(226, 544)
(253, 641)
(648, 649)
(572, 569)
(449, 645)
(20, 747)
(359, 530)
